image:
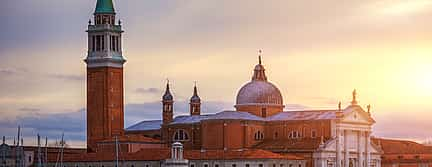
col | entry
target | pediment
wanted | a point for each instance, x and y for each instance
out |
(355, 114)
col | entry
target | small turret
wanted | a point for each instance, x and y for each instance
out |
(167, 105)
(195, 103)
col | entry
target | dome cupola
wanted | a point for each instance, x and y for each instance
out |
(259, 96)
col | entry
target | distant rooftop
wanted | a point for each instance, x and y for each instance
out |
(146, 125)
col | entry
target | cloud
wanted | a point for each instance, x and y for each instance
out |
(67, 77)
(25, 109)
(11, 71)
(148, 90)
(295, 107)
(7, 72)
(52, 125)
(400, 124)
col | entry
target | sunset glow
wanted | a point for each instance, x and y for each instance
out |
(315, 54)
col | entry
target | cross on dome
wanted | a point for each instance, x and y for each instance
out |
(259, 56)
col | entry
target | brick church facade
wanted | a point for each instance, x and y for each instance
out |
(259, 131)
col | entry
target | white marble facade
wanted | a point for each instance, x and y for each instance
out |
(351, 143)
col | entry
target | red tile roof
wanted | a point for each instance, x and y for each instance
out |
(403, 151)
(392, 146)
(133, 138)
(407, 158)
(161, 154)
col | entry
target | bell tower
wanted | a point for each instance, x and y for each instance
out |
(105, 115)
(195, 103)
(167, 106)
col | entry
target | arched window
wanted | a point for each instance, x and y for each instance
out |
(181, 135)
(259, 135)
(275, 135)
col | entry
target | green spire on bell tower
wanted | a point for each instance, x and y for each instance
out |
(104, 7)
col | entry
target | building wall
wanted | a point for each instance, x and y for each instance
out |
(258, 109)
(212, 135)
(230, 134)
(282, 129)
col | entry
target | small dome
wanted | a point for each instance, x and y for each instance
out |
(259, 92)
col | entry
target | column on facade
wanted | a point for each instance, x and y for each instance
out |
(367, 144)
(180, 153)
(173, 154)
(338, 148)
(360, 148)
(346, 157)
(320, 162)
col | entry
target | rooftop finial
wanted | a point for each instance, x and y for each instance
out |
(195, 88)
(368, 108)
(259, 56)
(354, 97)
(167, 84)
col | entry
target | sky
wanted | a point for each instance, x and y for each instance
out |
(315, 51)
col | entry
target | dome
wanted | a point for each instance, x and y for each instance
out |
(259, 92)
